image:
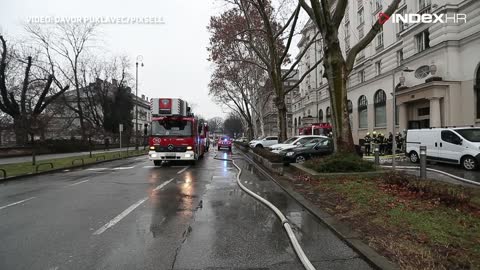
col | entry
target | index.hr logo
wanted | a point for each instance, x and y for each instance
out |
(423, 18)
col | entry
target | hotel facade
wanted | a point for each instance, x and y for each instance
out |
(432, 68)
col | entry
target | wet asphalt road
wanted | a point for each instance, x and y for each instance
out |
(129, 214)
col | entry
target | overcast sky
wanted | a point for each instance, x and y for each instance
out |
(174, 53)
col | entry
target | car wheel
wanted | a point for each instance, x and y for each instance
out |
(300, 159)
(219, 148)
(157, 162)
(258, 146)
(414, 157)
(230, 148)
(469, 163)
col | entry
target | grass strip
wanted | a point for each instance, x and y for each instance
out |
(25, 168)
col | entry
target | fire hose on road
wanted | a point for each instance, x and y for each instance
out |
(285, 223)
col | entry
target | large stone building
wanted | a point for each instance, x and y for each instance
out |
(65, 123)
(270, 112)
(434, 68)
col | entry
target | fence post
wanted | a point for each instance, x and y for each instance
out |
(377, 154)
(423, 162)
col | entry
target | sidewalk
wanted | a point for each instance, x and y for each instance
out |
(12, 160)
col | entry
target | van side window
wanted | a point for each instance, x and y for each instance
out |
(450, 137)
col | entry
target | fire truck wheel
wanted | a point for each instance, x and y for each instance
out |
(157, 162)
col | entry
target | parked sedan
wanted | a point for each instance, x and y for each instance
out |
(314, 148)
(265, 142)
(294, 142)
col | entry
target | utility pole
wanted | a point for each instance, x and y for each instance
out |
(139, 59)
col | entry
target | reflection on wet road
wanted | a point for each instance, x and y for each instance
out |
(192, 218)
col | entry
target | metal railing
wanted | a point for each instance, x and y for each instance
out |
(49, 163)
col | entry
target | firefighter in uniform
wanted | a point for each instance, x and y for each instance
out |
(366, 144)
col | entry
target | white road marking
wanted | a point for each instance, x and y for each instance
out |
(15, 203)
(163, 184)
(96, 169)
(77, 183)
(120, 217)
(127, 211)
(149, 166)
(123, 168)
(142, 158)
(182, 170)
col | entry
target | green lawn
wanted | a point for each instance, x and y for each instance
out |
(416, 230)
(58, 163)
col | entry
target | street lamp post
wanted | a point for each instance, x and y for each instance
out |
(394, 110)
(139, 59)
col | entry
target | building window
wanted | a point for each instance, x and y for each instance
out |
(360, 32)
(379, 39)
(362, 112)
(423, 4)
(329, 115)
(424, 111)
(378, 68)
(361, 76)
(399, 57)
(423, 41)
(401, 25)
(378, 5)
(320, 116)
(360, 17)
(380, 104)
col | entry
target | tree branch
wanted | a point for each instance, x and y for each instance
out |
(350, 61)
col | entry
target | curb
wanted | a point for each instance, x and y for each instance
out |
(19, 177)
(344, 232)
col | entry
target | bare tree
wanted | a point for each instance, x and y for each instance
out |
(253, 25)
(25, 100)
(215, 123)
(65, 46)
(327, 16)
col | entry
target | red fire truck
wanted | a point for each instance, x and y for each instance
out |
(316, 129)
(175, 133)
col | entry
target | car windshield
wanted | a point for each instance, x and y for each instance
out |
(303, 141)
(471, 134)
(224, 138)
(172, 128)
(291, 140)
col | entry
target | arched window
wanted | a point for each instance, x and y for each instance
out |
(329, 115)
(380, 104)
(477, 91)
(362, 112)
(309, 114)
(320, 116)
(299, 121)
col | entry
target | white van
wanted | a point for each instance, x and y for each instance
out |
(448, 145)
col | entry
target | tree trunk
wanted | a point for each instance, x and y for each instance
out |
(20, 129)
(282, 119)
(337, 78)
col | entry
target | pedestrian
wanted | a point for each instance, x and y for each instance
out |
(390, 143)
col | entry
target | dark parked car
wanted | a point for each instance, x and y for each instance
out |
(224, 142)
(313, 148)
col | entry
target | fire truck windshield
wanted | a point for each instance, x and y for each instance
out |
(172, 128)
